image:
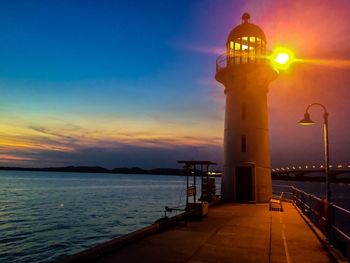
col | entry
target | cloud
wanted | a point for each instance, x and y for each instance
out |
(127, 156)
(15, 158)
(146, 154)
(49, 132)
(208, 50)
(55, 145)
(200, 48)
(162, 119)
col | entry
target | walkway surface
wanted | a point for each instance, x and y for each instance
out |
(231, 233)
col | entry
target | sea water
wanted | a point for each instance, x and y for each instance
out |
(46, 215)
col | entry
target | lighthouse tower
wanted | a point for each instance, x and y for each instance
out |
(245, 73)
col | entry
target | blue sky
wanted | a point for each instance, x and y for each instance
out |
(131, 83)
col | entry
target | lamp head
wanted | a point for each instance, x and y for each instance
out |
(307, 120)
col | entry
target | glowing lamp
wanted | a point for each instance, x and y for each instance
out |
(307, 120)
(281, 58)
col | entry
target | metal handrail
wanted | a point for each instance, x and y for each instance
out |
(341, 209)
(225, 60)
(305, 193)
(221, 62)
(282, 185)
(307, 203)
(345, 236)
(333, 217)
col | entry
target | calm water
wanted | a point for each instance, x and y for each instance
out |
(45, 215)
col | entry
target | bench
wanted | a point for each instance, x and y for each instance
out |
(276, 200)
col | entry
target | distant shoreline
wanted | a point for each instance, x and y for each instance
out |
(98, 169)
(156, 171)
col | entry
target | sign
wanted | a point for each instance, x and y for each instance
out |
(191, 190)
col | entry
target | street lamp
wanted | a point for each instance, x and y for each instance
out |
(307, 122)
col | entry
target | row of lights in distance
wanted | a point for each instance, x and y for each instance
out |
(307, 167)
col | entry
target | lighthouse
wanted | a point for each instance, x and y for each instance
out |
(245, 73)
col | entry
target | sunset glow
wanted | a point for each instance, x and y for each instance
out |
(96, 88)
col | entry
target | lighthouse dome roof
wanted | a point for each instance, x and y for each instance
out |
(246, 29)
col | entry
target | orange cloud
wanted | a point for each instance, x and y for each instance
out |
(23, 140)
(15, 158)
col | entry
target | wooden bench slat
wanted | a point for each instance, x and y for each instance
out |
(276, 200)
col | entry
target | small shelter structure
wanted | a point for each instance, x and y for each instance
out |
(208, 188)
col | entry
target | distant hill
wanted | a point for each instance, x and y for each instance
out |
(98, 169)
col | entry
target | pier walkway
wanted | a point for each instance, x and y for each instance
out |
(231, 233)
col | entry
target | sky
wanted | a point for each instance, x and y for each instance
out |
(131, 83)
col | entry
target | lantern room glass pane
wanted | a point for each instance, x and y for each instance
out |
(245, 50)
(263, 48)
(238, 51)
(237, 46)
(231, 51)
(258, 49)
(252, 49)
(244, 43)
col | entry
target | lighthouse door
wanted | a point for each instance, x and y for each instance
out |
(244, 184)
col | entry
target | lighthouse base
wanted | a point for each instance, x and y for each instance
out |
(246, 182)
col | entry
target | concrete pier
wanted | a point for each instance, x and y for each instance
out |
(230, 233)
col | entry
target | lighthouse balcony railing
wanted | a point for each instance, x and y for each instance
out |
(225, 61)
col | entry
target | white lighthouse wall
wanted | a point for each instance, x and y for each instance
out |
(245, 91)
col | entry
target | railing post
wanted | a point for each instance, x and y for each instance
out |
(330, 223)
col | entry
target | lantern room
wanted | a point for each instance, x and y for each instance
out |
(246, 43)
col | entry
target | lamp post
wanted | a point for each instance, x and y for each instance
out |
(307, 122)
